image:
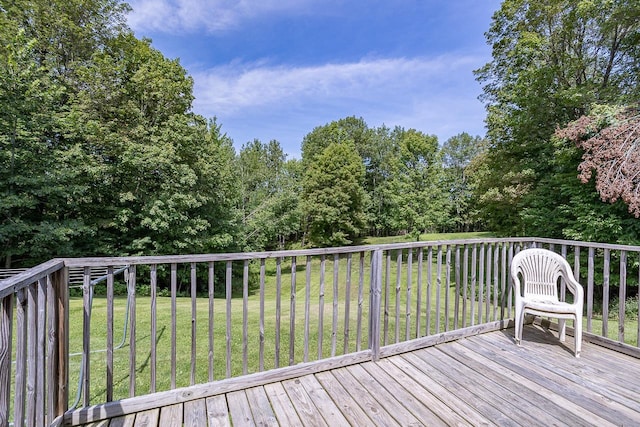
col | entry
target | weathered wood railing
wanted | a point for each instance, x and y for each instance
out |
(234, 314)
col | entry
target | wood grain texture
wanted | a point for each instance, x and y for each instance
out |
(479, 379)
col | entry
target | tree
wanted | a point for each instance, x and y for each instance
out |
(270, 188)
(333, 197)
(419, 197)
(457, 154)
(610, 139)
(551, 61)
(100, 152)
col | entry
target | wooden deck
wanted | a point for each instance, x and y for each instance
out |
(481, 380)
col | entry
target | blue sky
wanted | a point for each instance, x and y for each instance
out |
(276, 69)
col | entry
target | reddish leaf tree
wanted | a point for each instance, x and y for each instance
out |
(610, 138)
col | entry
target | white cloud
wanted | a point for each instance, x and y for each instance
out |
(232, 88)
(177, 16)
(436, 96)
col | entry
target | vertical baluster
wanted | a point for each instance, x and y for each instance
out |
(228, 291)
(211, 294)
(86, 335)
(6, 341)
(387, 297)
(605, 293)
(456, 315)
(408, 302)
(496, 256)
(307, 308)
(262, 284)
(278, 308)
(109, 378)
(245, 316)
(590, 274)
(419, 296)
(465, 284)
(292, 312)
(488, 283)
(32, 374)
(374, 303)
(154, 327)
(481, 283)
(174, 332)
(132, 331)
(429, 289)
(510, 290)
(360, 303)
(474, 263)
(321, 307)
(438, 286)
(334, 319)
(447, 288)
(504, 288)
(622, 295)
(638, 320)
(397, 294)
(347, 305)
(194, 326)
(21, 356)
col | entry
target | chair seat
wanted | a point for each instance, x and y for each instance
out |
(550, 306)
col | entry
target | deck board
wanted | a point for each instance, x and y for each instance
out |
(481, 380)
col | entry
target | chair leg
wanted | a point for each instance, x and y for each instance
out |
(577, 326)
(562, 327)
(519, 325)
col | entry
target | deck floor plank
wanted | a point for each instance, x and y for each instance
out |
(239, 409)
(483, 380)
(438, 399)
(354, 414)
(171, 415)
(554, 409)
(261, 407)
(376, 412)
(195, 413)
(218, 411)
(604, 381)
(386, 399)
(423, 405)
(321, 399)
(488, 390)
(123, 421)
(554, 383)
(455, 399)
(282, 407)
(147, 418)
(307, 411)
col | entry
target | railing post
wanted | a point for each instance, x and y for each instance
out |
(6, 327)
(375, 294)
(58, 345)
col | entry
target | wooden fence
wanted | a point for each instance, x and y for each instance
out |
(197, 318)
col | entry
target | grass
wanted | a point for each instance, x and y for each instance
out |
(427, 237)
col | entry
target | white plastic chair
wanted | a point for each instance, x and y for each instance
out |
(542, 271)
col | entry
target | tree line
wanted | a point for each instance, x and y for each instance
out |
(102, 154)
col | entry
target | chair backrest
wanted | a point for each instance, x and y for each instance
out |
(540, 270)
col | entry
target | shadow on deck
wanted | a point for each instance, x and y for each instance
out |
(480, 380)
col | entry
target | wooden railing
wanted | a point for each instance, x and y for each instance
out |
(197, 318)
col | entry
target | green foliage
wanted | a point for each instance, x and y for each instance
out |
(333, 197)
(457, 154)
(100, 152)
(551, 61)
(269, 195)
